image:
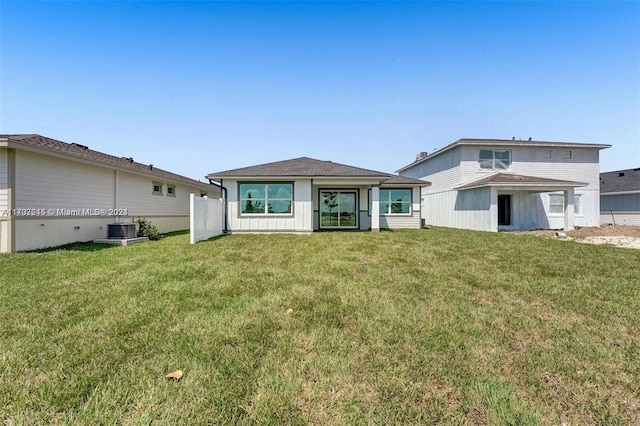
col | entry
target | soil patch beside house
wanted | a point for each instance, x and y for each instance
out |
(616, 235)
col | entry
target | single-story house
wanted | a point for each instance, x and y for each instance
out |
(502, 185)
(54, 193)
(620, 197)
(303, 195)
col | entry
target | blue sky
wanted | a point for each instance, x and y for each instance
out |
(200, 87)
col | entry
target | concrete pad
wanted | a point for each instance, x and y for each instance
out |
(124, 242)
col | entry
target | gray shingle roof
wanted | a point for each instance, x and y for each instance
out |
(506, 179)
(620, 181)
(83, 153)
(303, 167)
(504, 142)
(403, 180)
(310, 167)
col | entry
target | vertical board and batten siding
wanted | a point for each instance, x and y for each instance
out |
(46, 182)
(459, 209)
(621, 209)
(300, 221)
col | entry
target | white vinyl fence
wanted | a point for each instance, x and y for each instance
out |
(206, 217)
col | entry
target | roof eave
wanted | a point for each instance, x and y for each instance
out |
(525, 186)
(12, 143)
(489, 142)
(632, 191)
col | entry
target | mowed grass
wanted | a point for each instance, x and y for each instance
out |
(404, 327)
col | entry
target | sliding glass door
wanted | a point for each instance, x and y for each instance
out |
(338, 210)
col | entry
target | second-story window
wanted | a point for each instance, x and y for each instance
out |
(492, 159)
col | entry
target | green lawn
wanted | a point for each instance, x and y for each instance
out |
(438, 325)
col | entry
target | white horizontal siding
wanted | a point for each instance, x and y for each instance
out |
(135, 193)
(412, 221)
(48, 182)
(42, 232)
(43, 182)
(620, 218)
(4, 179)
(4, 200)
(532, 161)
(443, 171)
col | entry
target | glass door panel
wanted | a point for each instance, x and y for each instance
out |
(338, 209)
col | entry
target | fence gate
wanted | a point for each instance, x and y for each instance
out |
(205, 218)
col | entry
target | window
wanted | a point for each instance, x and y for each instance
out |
(171, 191)
(266, 198)
(490, 159)
(556, 203)
(157, 188)
(568, 155)
(393, 201)
(577, 204)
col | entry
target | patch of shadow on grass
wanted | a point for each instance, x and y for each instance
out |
(87, 247)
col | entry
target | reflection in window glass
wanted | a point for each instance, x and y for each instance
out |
(394, 201)
(266, 198)
(491, 159)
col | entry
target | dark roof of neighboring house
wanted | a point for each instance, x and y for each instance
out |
(83, 153)
(620, 181)
(502, 142)
(507, 179)
(310, 167)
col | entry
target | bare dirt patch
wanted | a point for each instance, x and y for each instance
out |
(616, 235)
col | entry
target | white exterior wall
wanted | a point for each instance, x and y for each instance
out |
(412, 221)
(621, 209)
(530, 161)
(459, 209)
(54, 184)
(301, 221)
(4, 180)
(4, 201)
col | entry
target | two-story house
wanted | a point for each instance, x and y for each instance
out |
(495, 185)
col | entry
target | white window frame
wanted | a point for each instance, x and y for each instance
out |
(171, 190)
(577, 204)
(553, 204)
(153, 188)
